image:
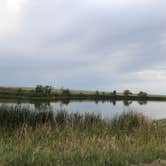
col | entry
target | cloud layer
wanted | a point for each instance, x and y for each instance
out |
(89, 44)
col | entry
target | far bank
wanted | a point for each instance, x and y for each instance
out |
(49, 93)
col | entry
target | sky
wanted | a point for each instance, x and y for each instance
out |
(90, 44)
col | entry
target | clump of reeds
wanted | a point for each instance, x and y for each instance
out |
(17, 116)
(130, 121)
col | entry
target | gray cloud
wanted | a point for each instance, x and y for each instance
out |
(85, 44)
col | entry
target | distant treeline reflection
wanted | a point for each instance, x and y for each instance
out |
(39, 104)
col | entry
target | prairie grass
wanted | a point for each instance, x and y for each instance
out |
(62, 138)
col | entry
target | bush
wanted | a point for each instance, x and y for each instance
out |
(45, 90)
(142, 94)
(97, 93)
(66, 92)
(129, 121)
(127, 92)
(114, 93)
(39, 89)
(19, 91)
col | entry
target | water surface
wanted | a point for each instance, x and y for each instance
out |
(151, 109)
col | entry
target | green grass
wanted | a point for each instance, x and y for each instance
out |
(29, 137)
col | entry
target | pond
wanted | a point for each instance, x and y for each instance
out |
(108, 110)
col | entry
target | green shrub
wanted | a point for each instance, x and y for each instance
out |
(142, 94)
(114, 93)
(66, 92)
(127, 93)
(43, 90)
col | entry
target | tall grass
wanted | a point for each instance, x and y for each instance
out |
(130, 121)
(62, 138)
(17, 116)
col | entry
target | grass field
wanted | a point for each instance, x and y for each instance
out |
(41, 138)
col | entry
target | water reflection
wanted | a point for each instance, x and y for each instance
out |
(40, 105)
(107, 109)
(127, 102)
(43, 105)
(142, 102)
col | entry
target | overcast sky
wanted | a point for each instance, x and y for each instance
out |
(84, 44)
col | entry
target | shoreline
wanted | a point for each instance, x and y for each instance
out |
(28, 93)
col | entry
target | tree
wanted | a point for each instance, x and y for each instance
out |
(19, 91)
(39, 89)
(45, 90)
(97, 93)
(142, 94)
(66, 92)
(114, 93)
(127, 93)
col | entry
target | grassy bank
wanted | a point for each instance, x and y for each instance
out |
(29, 137)
(49, 93)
